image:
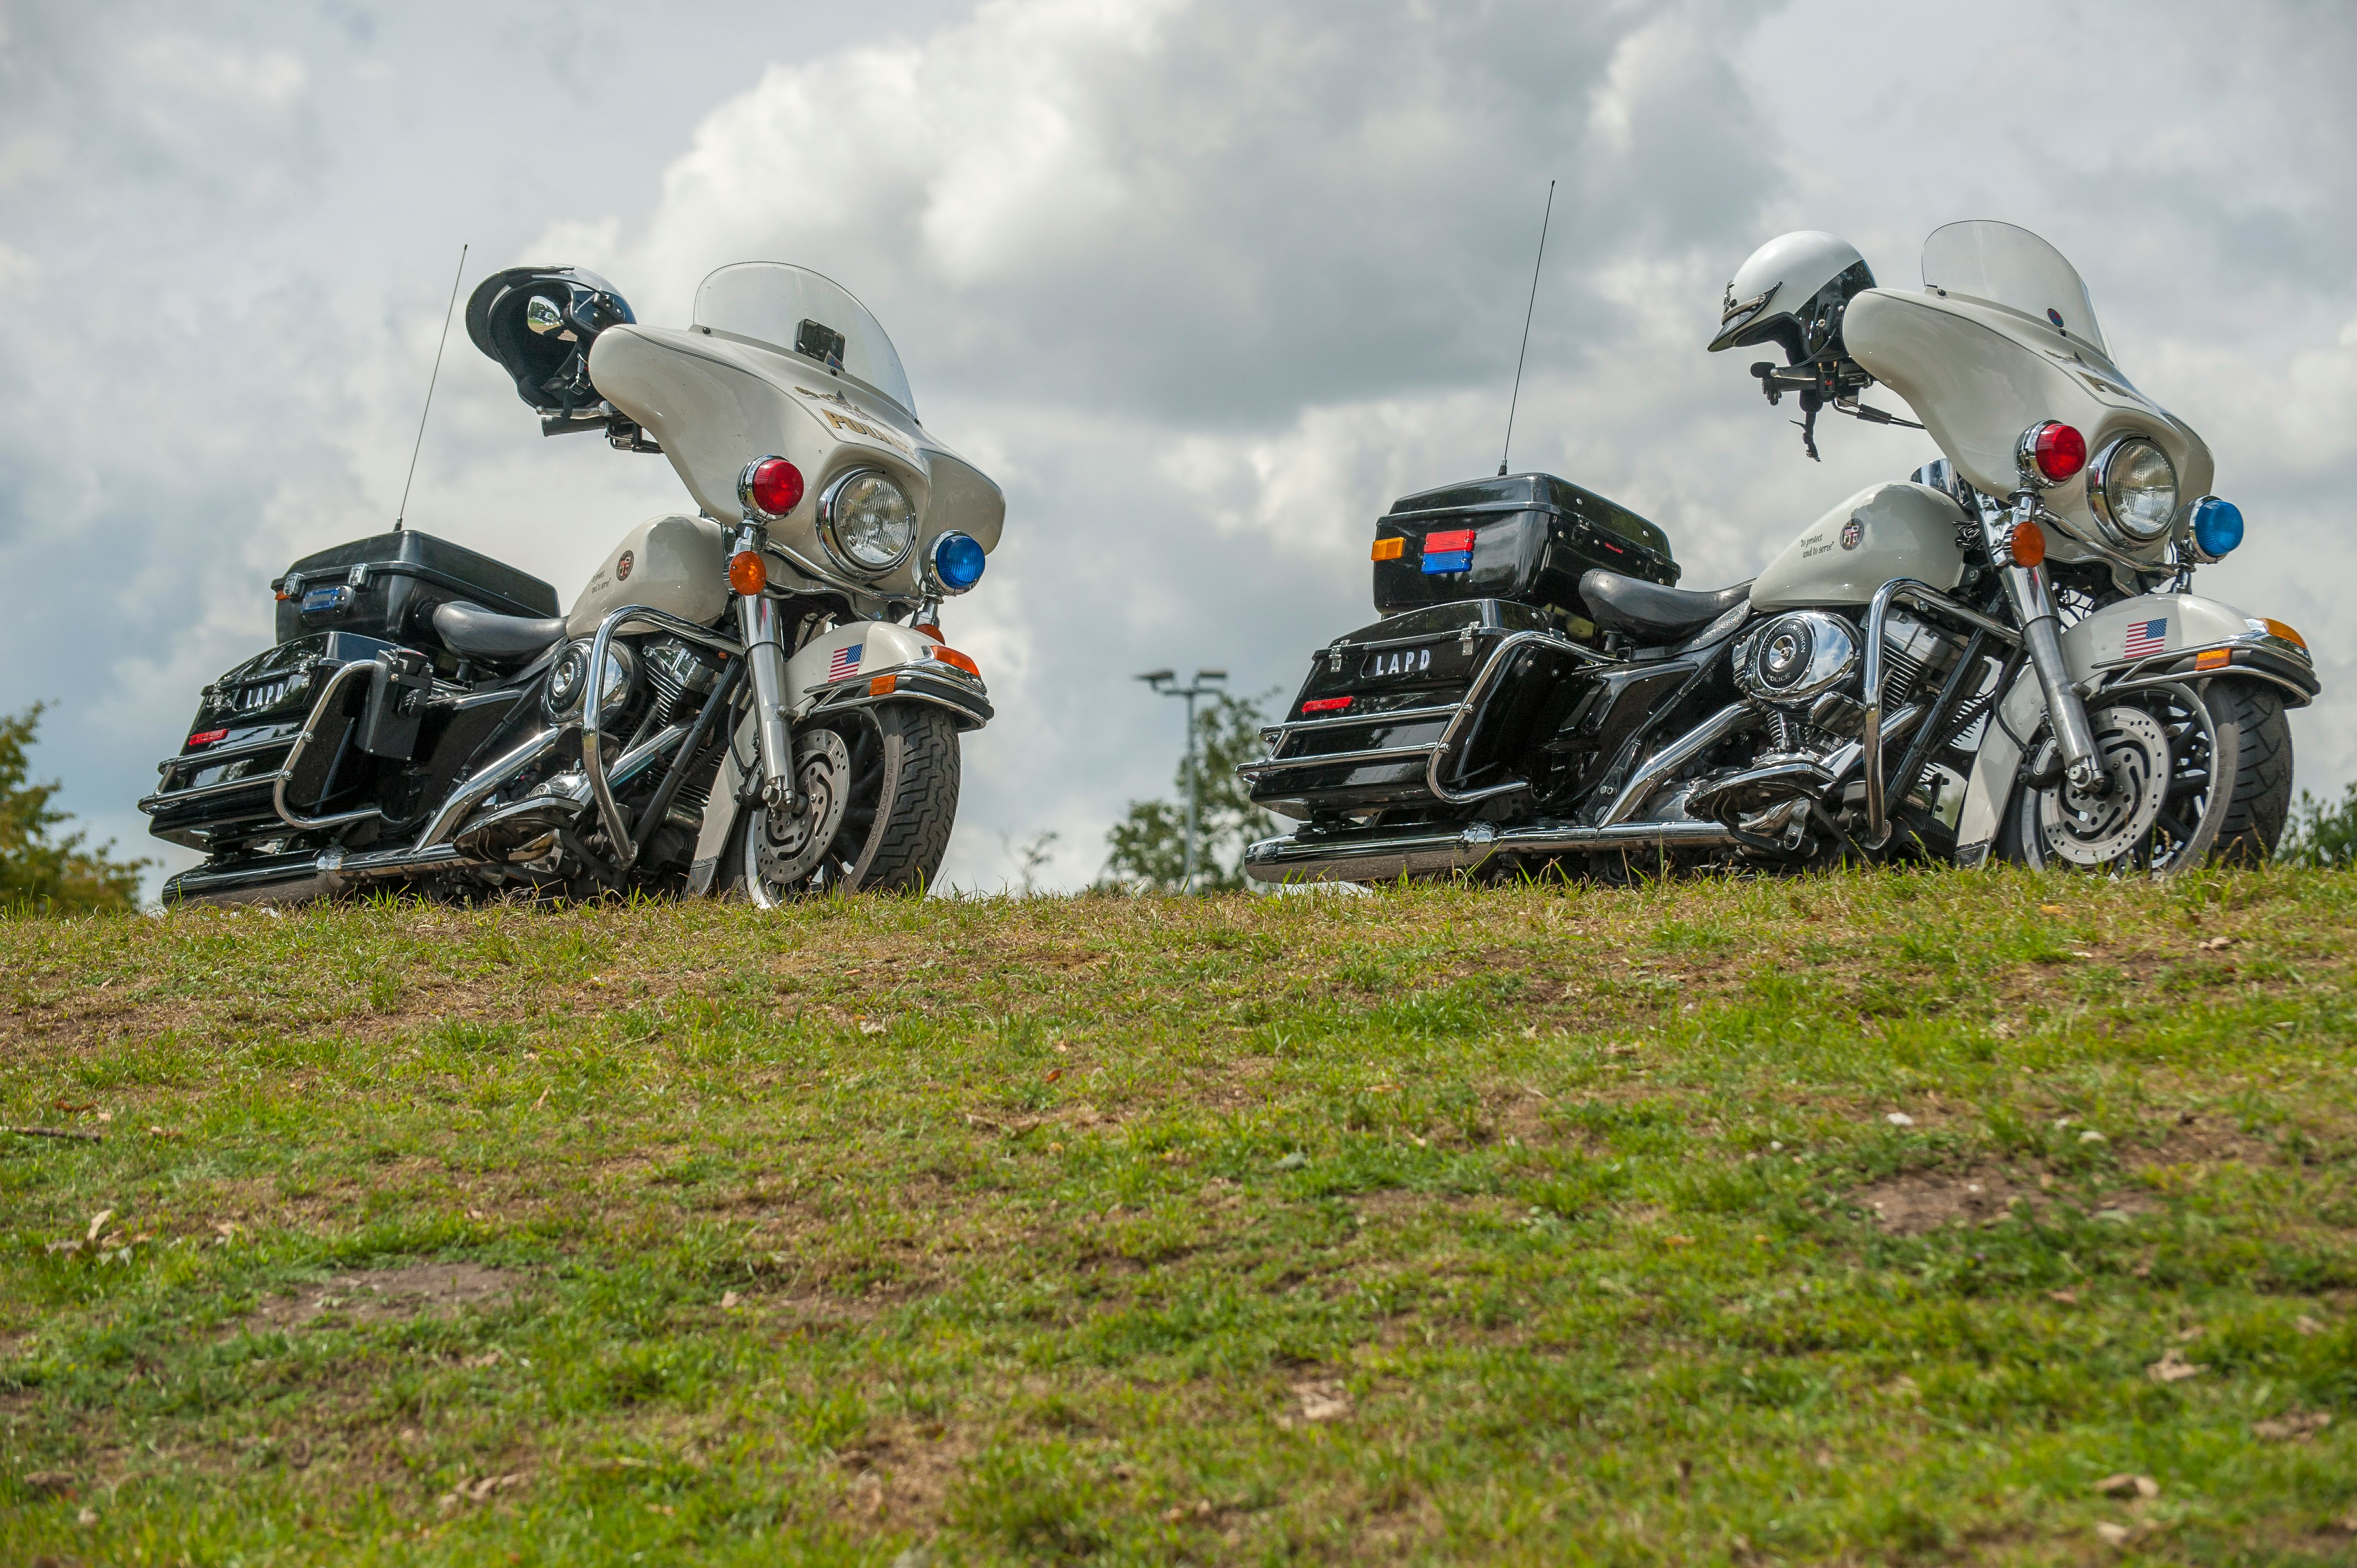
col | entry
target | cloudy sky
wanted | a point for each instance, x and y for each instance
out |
(1204, 284)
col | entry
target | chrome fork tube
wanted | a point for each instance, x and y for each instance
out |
(2032, 598)
(757, 620)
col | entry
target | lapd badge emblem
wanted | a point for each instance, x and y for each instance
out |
(1852, 531)
(622, 567)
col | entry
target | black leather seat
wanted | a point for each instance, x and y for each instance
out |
(1650, 612)
(486, 634)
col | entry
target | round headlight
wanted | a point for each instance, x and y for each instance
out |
(870, 525)
(2132, 487)
(958, 561)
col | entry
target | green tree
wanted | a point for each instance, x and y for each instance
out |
(39, 872)
(1149, 846)
(2322, 834)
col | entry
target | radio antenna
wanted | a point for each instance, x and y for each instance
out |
(420, 443)
(1527, 311)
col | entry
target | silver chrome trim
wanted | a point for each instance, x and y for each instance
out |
(827, 523)
(745, 489)
(931, 565)
(1699, 739)
(1395, 716)
(1467, 712)
(2025, 458)
(1383, 859)
(609, 810)
(494, 774)
(1924, 596)
(203, 760)
(157, 801)
(1268, 766)
(2099, 501)
(302, 742)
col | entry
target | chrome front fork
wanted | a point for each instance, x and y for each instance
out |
(757, 622)
(2033, 598)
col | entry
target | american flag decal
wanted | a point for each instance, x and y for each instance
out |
(845, 664)
(2147, 638)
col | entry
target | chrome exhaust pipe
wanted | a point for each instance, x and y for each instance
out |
(1391, 856)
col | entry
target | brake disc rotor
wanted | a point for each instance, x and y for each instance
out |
(789, 844)
(2097, 830)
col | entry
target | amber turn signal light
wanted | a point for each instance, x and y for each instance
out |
(955, 660)
(2028, 546)
(1389, 548)
(746, 575)
(2277, 629)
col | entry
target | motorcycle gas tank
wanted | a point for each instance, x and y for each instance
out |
(1978, 374)
(1883, 531)
(716, 402)
(677, 564)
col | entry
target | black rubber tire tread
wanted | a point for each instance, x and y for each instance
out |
(2255, 732)
(911, 832)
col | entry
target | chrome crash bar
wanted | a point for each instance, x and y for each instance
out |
(593, 740)
(1924, 596)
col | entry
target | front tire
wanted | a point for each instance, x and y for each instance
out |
(899, 789)
(2210, 783)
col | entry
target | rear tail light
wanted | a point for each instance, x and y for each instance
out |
(1324, 704)
(2051, 452)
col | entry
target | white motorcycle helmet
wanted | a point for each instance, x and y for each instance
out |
(1789, 292)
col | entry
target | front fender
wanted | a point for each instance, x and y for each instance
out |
(2150, 638)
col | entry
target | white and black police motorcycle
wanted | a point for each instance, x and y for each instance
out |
(754, 697)
(2003, 657)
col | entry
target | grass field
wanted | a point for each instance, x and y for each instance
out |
(1872, 1219)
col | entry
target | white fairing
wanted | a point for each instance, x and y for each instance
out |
(716, 400)
(677, 564)
(1980, 370)
(1883, 531)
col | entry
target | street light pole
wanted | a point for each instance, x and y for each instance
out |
(1206, 683)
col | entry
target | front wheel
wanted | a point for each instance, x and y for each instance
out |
(881, 788)
(2197, 779)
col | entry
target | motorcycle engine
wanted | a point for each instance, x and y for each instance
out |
(1806, 669)
(678, 675)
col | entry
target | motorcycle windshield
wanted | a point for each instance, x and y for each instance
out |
(797, 311)
(2014, 268)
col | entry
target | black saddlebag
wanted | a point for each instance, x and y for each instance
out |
(1410, 714)
(1521, 537)
(387, 587)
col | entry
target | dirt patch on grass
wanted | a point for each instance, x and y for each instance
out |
(389, 1295)
(1916, 1203)
(900, 1474)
